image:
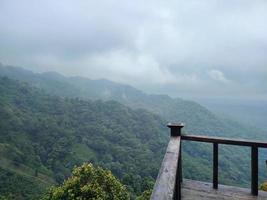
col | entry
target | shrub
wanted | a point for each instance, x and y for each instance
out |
(264, 186)
(89, 182)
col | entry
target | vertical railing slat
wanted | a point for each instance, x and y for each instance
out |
(254, 170)
(180, 163)
(179, 181)
(215, 165)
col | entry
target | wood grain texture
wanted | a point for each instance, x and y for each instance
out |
(196, 190)
(221, 140)
(165, 184)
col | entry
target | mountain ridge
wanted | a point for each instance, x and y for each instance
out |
(46, 102)
(171, 109)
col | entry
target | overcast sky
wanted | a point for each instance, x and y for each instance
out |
(183, 48)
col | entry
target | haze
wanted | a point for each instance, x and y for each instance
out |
(186, 48)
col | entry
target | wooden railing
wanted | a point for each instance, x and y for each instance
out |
(168, 183)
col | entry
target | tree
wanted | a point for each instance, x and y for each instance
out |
(145, 195)
(36, 172)
(89, 182)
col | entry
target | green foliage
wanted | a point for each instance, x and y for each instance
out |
(263, 186)
(50, 135)
(43, 137)
(88, 182)
(4, 198)
(145, 195)
(19, 187)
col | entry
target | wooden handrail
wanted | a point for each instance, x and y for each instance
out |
(239, 142)
(168, 183)
(221, 140)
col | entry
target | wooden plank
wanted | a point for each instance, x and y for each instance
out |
(197, 190)
(254, 170)
(164, 188)
(221, 140)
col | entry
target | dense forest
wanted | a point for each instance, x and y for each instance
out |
(198, 119)
(50, 123)
(44, 137)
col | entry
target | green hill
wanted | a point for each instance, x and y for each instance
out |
(43, 137)
(50, 134)
(198, 119)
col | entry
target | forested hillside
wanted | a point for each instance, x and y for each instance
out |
(197, 118)
(44, 136)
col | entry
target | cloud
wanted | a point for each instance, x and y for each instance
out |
(217, 76)
(161, 46)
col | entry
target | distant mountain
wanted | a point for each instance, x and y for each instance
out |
(196, 117)
(249, 111)
(50, 123)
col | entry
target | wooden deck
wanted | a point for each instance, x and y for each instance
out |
(168, 185)
(196, 190)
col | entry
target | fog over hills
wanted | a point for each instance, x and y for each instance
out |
(172, 48)
(34, 105)
(249, 112)
(97, 81)
(180, 48)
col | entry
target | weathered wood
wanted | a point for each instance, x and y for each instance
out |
(169, 180)
(197, 190)
(215, 165)
(177, 190)
(165, 186)
(180, 164)
(176, 128)
(254, 170)
(221, 140)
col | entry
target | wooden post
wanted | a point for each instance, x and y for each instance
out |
(254, 170)
(215, 165)
(167, 186)
(175, 128)
(176, 131)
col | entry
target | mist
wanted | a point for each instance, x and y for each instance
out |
(190, 48)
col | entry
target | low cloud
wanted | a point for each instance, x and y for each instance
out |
(159, 46)
(217, 76)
